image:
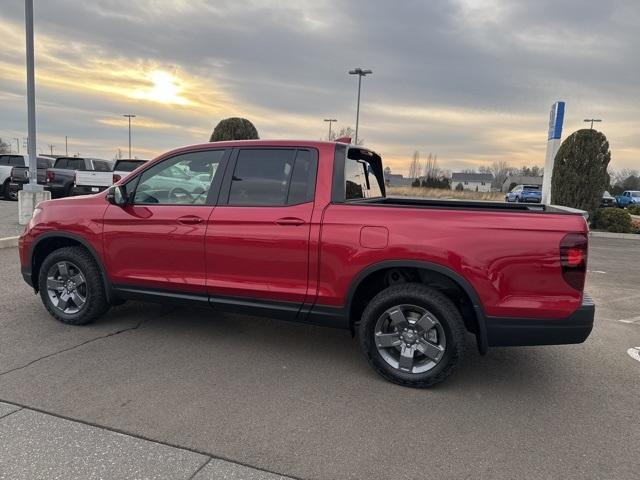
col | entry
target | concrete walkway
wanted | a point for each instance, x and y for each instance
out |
(9, 219)
(38, 446)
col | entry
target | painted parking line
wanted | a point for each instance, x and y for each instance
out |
(634, 352)
(630, 320)
(596, 271)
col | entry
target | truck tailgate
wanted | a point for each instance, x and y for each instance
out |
(94, 179)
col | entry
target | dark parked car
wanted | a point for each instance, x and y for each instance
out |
(61, 177)
(608, 200)
(20, 176)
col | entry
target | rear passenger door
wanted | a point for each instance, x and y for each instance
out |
(257, 242)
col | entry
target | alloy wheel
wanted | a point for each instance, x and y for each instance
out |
(67, 287)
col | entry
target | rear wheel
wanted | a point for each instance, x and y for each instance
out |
(412, 335)
(71, 286)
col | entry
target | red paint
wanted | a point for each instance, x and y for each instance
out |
(313, 252)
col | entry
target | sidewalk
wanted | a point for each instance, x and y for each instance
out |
(9, 219)
(38, 446)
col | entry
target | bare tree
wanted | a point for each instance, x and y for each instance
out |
(431, 169)
(346, 132)
(415, 167)
(501, 170)
(4, 147)
(118, 155)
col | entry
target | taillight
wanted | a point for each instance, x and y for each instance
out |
(573, 258)
(116, 178)
(50, 176)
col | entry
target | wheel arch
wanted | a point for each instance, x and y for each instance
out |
(366, 285)
(49, 242)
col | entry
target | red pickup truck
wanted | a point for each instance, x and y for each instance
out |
(303, 231)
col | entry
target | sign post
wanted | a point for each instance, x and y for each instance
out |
(556, 119)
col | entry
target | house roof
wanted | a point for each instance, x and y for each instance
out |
(471, 177)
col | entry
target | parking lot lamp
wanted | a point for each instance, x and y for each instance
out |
(597, 120)
(330, 121)
(361, 73)
(129, 116)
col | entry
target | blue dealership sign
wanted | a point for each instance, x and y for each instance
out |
(556, 118)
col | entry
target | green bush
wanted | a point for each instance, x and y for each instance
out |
(634, 209)
(613, 220)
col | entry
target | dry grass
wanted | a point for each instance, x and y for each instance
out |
(443, 193)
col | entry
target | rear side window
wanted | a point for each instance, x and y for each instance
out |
(360, 180)
(261, 177)
(272, 177)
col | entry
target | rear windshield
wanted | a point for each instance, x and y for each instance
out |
(70, 163)
(102, 166)
(45, 162)
(531, 187)
(127, 165)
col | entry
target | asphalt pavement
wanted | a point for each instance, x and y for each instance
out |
(9, 226)
(301, 401)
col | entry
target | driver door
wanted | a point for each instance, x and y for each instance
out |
(157, 240)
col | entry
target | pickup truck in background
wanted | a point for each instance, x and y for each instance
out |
(87, 183)
(7, 163)
(61, 177)
(303, 231)
(20, 176)
(629, 197)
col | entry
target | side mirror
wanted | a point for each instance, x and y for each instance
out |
(116, 195)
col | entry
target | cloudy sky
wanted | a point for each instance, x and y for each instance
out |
(469, 80)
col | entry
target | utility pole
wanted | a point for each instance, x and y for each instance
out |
(66, 146)
(330, 121)
(17, 143)
(51, 149)
(129, 116)
(361, 73)
(597, 120)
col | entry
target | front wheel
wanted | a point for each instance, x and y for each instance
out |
(71, 286)
(412, 335)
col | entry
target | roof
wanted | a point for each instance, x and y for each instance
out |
(471, 177)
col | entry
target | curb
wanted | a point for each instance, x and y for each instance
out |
(628, 236)
(9, 242)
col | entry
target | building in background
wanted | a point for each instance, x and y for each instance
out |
(396, 180)
(476, 182)
(513, 180)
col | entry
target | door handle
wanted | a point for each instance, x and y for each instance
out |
(190, 220)
(290, 221)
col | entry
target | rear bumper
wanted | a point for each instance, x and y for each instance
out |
(83, 190)
(502, 332)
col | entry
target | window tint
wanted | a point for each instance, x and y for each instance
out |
(180, 180)
(261, 177)
(45, 162)
(17, 161)
(303, 178)
(128, 165)
(360, 179)
(101, 166)
(75, 164)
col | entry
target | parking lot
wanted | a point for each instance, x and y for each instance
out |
(301, 401)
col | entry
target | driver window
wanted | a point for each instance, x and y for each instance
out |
(180, 180)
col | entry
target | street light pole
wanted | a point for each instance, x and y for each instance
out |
(361, 73)
(330, 121)
(66, 146)
(17, 143)
(129, 116)
(31, 100)
(597, 120)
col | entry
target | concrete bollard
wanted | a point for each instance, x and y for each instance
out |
(27, 201)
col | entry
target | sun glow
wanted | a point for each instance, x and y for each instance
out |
(165, 88)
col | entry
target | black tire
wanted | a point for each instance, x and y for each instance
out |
(5, 189)
(437, 304)
(95, 304)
